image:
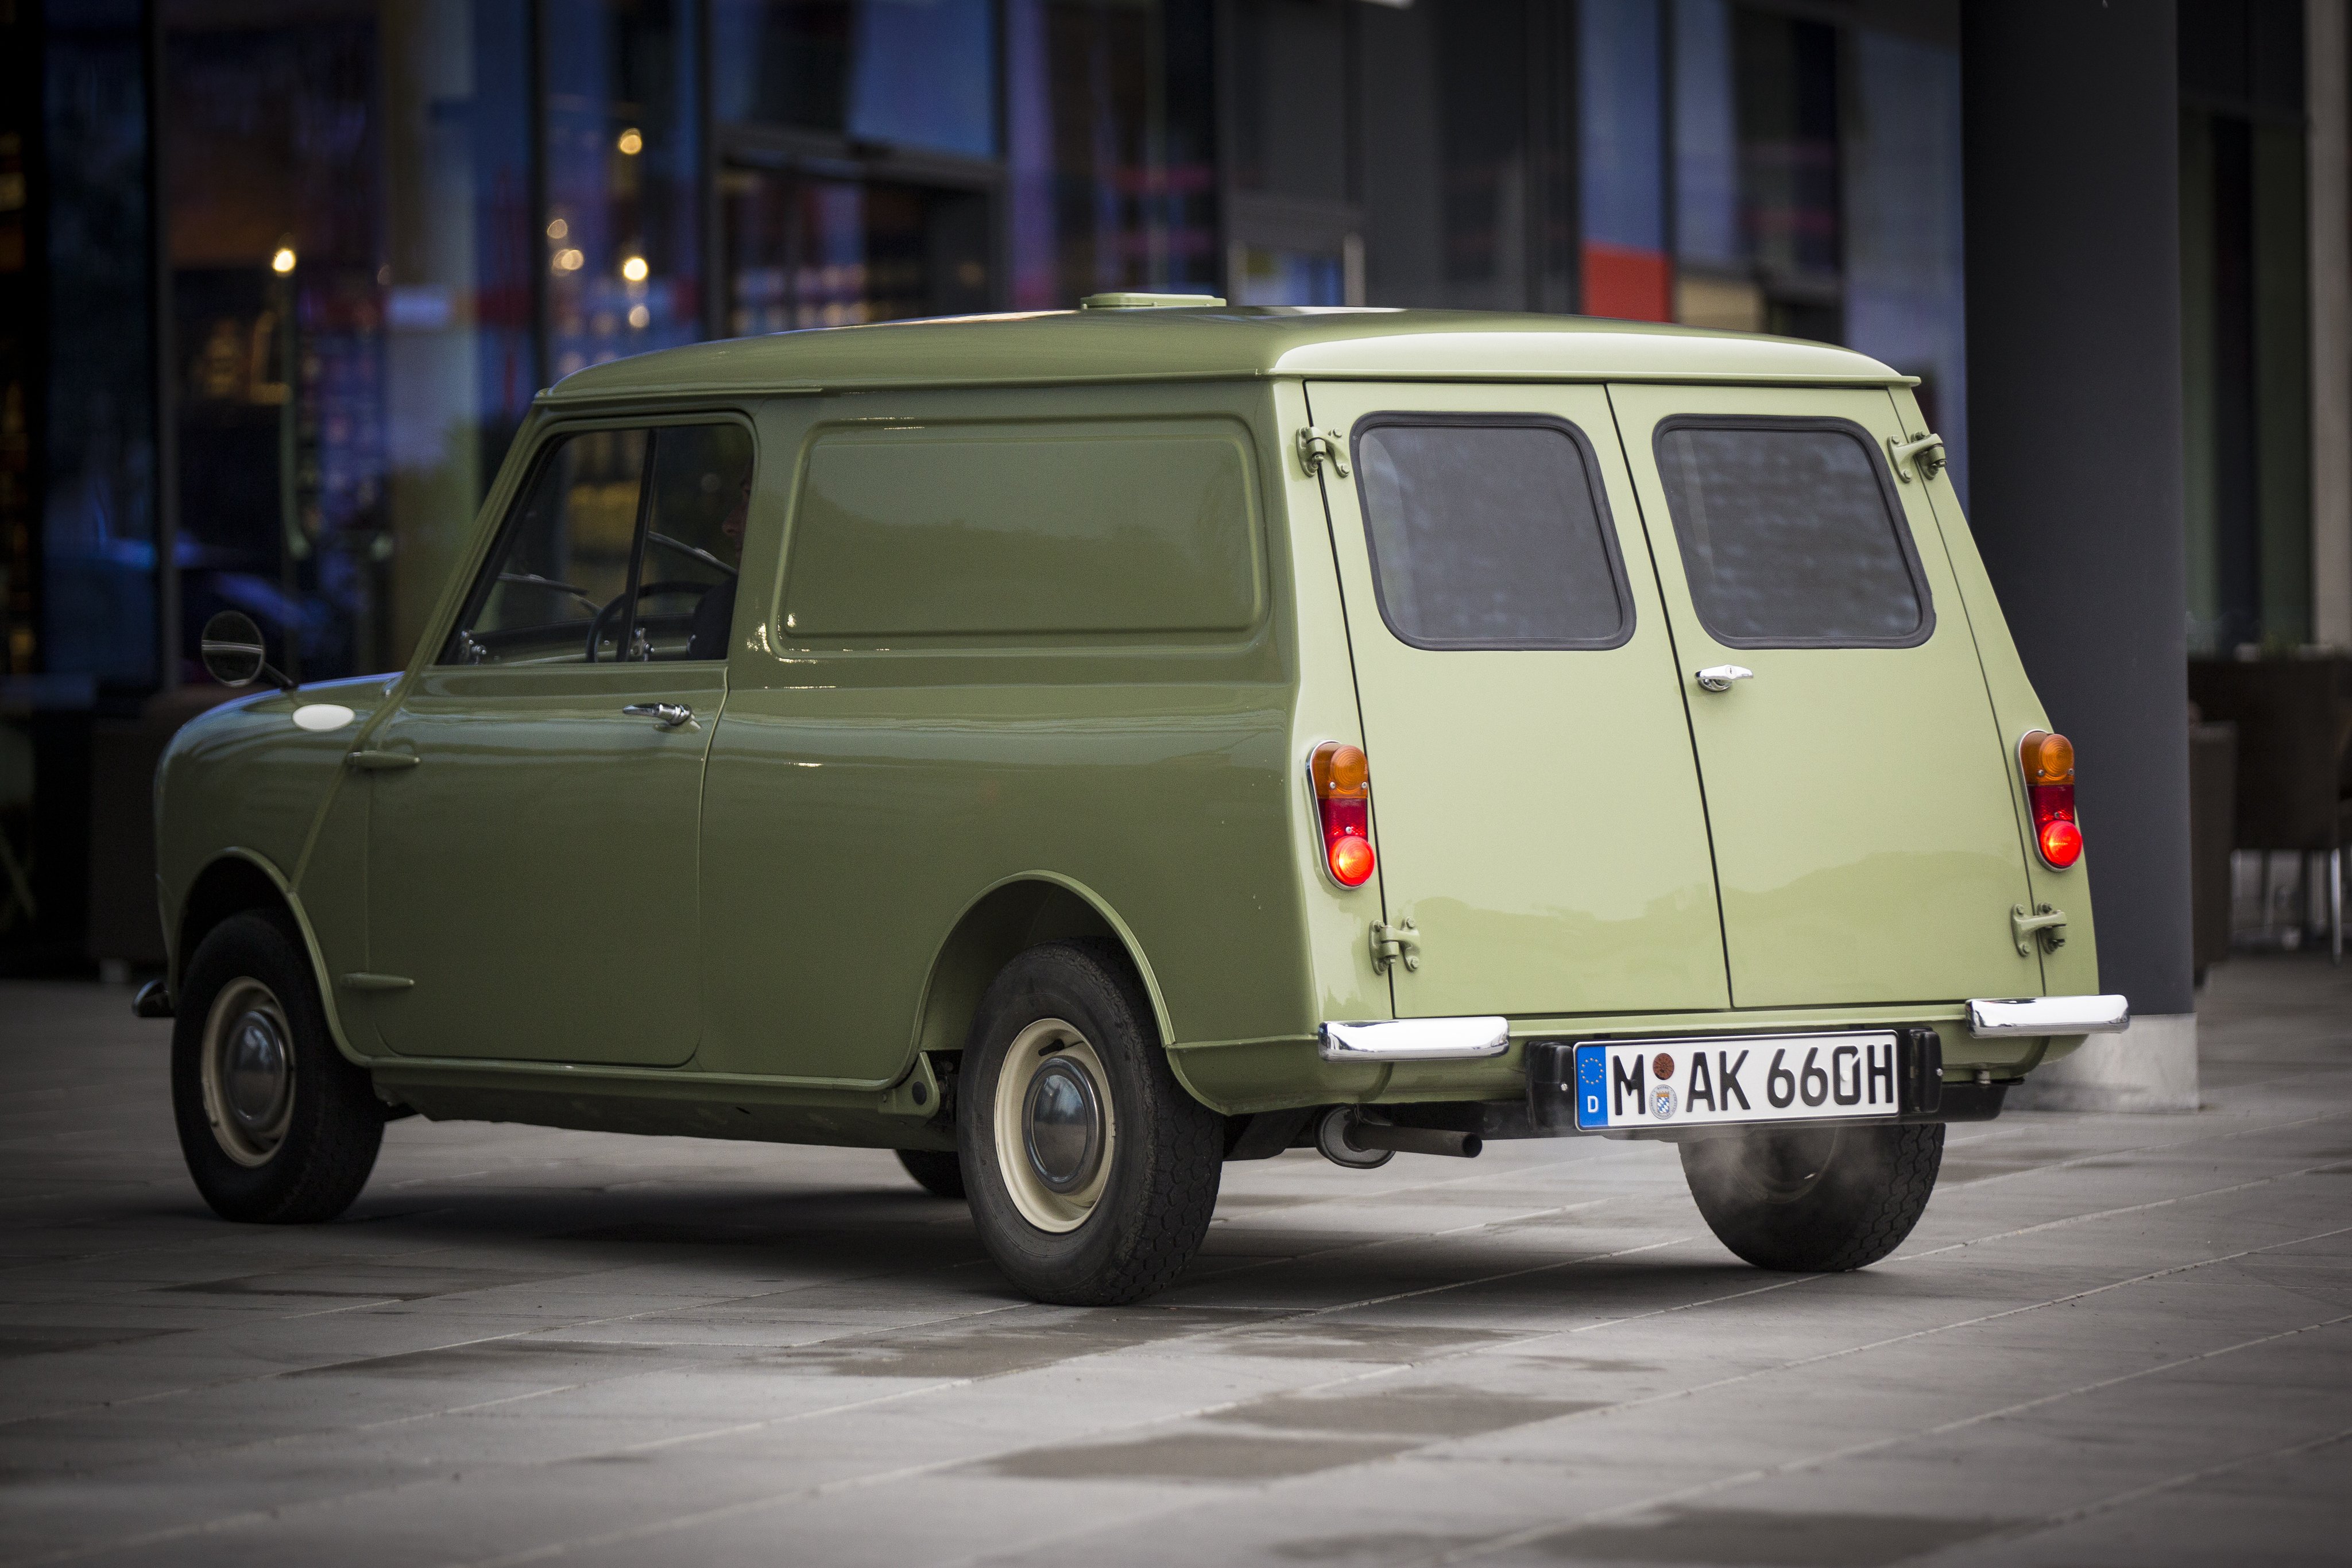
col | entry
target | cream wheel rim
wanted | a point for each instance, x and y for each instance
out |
(248, 1072)
(1055, 1131)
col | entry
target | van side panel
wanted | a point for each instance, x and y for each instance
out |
(2073, 969)
(1339, 920)
(1334, 978)
(864, 790)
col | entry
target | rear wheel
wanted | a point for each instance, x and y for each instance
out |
(1092, 1174)
(939, 1173)
(276, 1125)
(1814, 1200)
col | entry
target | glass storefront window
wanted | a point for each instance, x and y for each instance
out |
(1290, 124)
(1713, 276)
(348, 241)
(1627, 273)
(912, 73)
(806, 251)
(1109, 148)
(620, 230)
(1449, 188)
(1905, 295)
(98, 600)
(1269, 274)
(1758, 204)
(1787, 92)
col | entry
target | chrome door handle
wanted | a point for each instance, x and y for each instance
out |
(1719, 677)
(666, 715)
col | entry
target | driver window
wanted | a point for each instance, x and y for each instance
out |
(702, 493)
(596, 565)
(556, 590)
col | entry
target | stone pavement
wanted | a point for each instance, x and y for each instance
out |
(2112, 1339)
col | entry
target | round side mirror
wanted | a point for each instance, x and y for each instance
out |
(232, 649)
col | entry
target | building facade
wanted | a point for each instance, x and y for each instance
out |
(279, 278)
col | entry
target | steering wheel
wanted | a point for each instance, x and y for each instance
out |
(615, 605)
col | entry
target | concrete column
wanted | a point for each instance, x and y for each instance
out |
(2325, 90)
(2070, 128)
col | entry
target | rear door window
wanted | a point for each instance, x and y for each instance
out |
(1791, 534)
(1489, 532)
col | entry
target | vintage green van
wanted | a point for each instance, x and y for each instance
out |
(1077, 749)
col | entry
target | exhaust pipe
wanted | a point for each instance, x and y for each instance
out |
(1413, 1139)
(1345, 1138)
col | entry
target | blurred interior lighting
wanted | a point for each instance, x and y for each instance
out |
(635, 269)
(631, 143)
(283, 262)
(558, 229)
(640, 317)
(569, 260)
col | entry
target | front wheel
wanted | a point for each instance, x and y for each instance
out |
(276, 1125)
(1814, 1200)
(1092, 1174)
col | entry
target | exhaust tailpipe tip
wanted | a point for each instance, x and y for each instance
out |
(1361, 1138)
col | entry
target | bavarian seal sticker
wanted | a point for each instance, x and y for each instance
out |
(1662, 1102)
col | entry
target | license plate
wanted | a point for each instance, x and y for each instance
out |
(1749, 1078)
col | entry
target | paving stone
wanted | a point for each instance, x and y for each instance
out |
(2111, 1339)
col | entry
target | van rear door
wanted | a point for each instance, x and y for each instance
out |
(1866, 845)
(1534, 798)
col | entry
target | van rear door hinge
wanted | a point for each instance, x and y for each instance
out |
(2047, 923)
(1925, 448)
(1317, 447)
(1392, 944)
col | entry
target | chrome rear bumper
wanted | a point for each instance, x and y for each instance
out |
(1993, 1016)
(1415, 1039)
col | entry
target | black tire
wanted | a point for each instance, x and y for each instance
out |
(1816, 1200)
(1152, 1185)
(310, 1155)
(935, 1171)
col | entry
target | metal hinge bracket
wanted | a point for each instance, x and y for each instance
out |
(1317, 447)
(1394, 944)
(1925, 448)
(2046, 922)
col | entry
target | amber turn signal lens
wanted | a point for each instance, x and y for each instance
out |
(2062, 843)
(1342, 772)
(1351, 861)
(2048, 758)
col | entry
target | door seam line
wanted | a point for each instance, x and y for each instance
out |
(1682, 691)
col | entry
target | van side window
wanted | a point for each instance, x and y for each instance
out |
(1791, 534)
(1489, 532)
(969, 531)
(562, 556)
(594, 565)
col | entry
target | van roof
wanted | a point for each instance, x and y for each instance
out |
(1220, 342)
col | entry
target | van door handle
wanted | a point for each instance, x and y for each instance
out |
(666, 715)
(1719, 677)
(373, 761)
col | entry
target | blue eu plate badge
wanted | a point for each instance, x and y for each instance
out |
(1591, 1086)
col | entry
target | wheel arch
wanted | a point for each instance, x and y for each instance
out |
(1005, 920)
(234, 881)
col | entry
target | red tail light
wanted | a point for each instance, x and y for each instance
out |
(1343, 793)
(2049, 763)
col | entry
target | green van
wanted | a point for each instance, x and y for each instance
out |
(1077, 749)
